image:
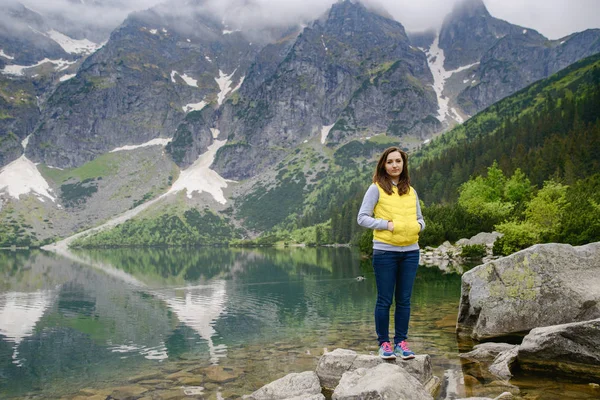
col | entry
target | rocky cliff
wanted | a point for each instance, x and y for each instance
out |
(469, 31)
(352, 72)
(138, 87)
(519, 59)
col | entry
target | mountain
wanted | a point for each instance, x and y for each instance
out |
(550, 130)
(154, 69)
(34, 59)
(204, 130)
(23, 36)
(341, 79)
(469, 31)
(519, 59)
(478, 59)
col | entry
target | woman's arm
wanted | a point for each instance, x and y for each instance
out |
(365, 214)
(420, 219)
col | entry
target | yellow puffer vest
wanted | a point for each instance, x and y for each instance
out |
(402, 211)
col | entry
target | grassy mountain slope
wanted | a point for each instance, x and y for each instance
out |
(549, 128)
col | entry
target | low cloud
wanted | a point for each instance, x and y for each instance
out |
(553, 18)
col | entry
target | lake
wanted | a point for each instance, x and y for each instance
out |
(213, 323)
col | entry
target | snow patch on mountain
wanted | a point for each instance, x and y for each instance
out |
(239, 85)
(200, 178)
(73, 46)
(187, 79)
(194, 106)
(435, 59)
(22, 177)
(153, 142)
(325, 132)
(457, 116)
(3, 54)
(19, 70)
(66, 77)
(224, 82)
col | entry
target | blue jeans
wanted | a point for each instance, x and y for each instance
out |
(395, 273)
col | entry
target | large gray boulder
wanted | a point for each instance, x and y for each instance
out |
(385, 381)
(334, 364)
(297, 386)
(546, 284)
(572, 349)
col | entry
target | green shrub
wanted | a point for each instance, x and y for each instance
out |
(517, 236)
(473, 251)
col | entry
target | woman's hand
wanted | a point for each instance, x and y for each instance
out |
(390, 226)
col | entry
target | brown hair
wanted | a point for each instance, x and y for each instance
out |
(382, 178)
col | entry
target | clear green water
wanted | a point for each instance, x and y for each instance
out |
(213, 323)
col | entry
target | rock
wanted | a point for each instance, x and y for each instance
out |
(178, 375)
(546, 284)
(191, 380)
(295, 386)
(385, 381)
(334, 364)
(572, 349)
(481, 238)
(173, 394)
(144, 377)
(219, 374)
(503, 396)
(89, 392)
(128, 392)
(486, 351)
(503, 363)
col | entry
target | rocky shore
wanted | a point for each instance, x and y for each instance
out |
(534, 312)
(448, 257)
(548, 295)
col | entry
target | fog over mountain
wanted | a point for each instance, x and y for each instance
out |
(552, 18)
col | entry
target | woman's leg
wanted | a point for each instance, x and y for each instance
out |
(385, 266)
(405, 279)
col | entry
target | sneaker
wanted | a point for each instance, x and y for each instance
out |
(386, 352)
(401, 349)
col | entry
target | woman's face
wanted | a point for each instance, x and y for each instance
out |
(394, 165)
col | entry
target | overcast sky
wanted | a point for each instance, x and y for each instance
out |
(552, 18)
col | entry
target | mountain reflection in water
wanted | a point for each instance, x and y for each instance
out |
(99, 318)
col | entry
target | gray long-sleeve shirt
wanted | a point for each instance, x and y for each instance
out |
(365, 218)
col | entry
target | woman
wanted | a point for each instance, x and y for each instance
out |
(391, 208)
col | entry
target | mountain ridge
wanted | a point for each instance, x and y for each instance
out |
(342, 87)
